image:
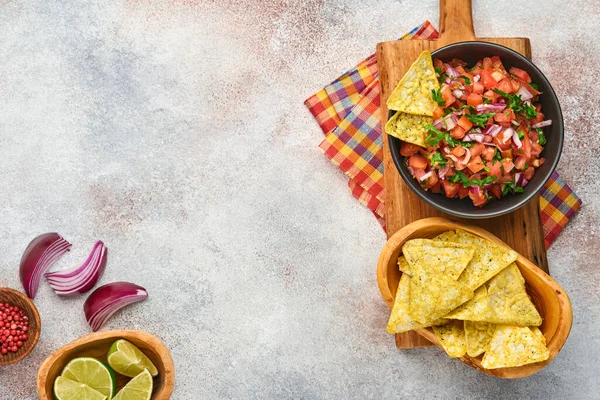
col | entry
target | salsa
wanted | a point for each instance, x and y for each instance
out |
(487, 135)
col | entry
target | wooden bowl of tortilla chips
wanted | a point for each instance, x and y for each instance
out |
(548, 297)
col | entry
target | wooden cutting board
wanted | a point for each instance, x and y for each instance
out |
(522, 229)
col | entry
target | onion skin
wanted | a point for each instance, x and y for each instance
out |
(38, 257)
(108, 299)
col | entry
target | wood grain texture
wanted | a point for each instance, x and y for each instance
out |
(521, 229)
(548, 296)
(16, 298)
(97, 345)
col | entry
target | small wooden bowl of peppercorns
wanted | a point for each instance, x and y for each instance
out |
(20, 326)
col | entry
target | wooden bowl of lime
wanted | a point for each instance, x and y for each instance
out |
(108, 365)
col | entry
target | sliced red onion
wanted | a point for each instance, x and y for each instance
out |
(524, 93)
(39, 255)
(518, 177)
(451, 72)
(108, 299)
(476, 78)
(515, 122)
(508, 134)
(452, 157)
(80, 279)
(492, 130)
(467, 156)
(477, 137)
(492, 107)
(542, 124)
(515, 138)
(446, 150)
(458, 93)
(426, 176)
(443, 172)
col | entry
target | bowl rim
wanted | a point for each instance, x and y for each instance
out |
(32, 340)
(482, 214)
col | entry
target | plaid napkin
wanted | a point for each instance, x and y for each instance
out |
(347, 110)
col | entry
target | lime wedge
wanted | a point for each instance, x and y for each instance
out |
(139, 388)
(93, 373)
(66, 389)
(128, 360)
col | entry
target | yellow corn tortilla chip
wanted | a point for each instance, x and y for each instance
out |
(509, 300)
(488, 260)
(513, 346)
(413, 93)
(448, 236)
(452, 338)
(478, 336)
(404, 266)
(476, 309)
(408, 127)
(437, 257)
(536, 331)
(400, 321)
(432, 296)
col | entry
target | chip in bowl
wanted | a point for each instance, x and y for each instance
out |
(513, 346)
(476, 309)
(478, 336)
(443, 258)
(408, 127)
(452, 338)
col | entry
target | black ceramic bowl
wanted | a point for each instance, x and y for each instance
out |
(471, 52)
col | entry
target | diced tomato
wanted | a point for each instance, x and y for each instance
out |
(459, 166)
(518, 72)
(437, 188)
(450, 101)
(458, 151)
(446, 92)
(487, 139)
(418, 173)
(494, 168)
(462, 191)
(451, 189)
(477, 87)
(497, 75)
(537, 119)
(417, 162)
(432, 180)
(507, 153)
(487, 63)
(505, 117)
(477, 69)
(438, 113)
(475, 165)
(537, 163)
(464, 123)
(528, 173)
(437, 63)
(497, 63)
(498, 142)
(515, 86)
(476, 149)
(474, 99)
(488, 80)
(488, 153)
(526, 146)
(460, 69)
(505, 85)
(490, 95)
(527, 86)
(458, 132)
(508, 165)
(408, 149)
(520, 163)
(536, 149)
(478, 198)
(533, 135)
(496, 190)
(457, 62)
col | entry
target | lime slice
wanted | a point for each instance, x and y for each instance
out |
(139, 388)
(66, 389)
(93, 373)
(128, 360)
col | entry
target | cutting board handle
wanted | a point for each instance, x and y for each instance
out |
(456, 21)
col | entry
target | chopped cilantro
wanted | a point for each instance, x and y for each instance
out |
(519, 189)
(497, 156)
(535, 86)
(459, 177)
(437, 97)
(486, 169)
(517, 104)
(434, 137)
(447, 111)
(466, 106)
(526, 165)
(542, 139)
(479, 120)
(521, 135)
(510, 187)
(486, 100)
(438, 70)
(466, 78)
(437, 160)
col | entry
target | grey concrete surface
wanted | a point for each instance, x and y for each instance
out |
(176, 132)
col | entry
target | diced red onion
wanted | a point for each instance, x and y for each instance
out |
(450, 121)
(515, 122)
(474, 190)
(439, 124)
(492, 107)
(453, 158)
(446, 150)
(83, 278)
(475, 130)
(458, 93)
(542, 124)
(524, 93)
(492, 130)
(525, 182)
(476, 78)
(467, 139)
(443, 172)
(518, 177)
(515, 138)
(39, 255)
(426, 176)
(108, 299)
(467, 156)
(411, 171)
(477, 137)
(508, 134)
(487, 186)
(451, 72)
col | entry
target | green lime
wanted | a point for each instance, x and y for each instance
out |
(66, 389)
(139, 388)
(93, 373)
(128, 360)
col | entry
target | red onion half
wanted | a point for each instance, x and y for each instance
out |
(80, 279)
(39, 255)
(108, 299)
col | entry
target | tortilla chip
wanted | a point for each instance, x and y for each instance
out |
(413, 93)
(513, 346)
(488, 260)
(432, 296)
(452, 338)
(437, 257)
(404, 266)
(509, 299)
(400, 321)
(476, 309)
(408, 127)
(448, 236)
(478, 336)
(536, 331)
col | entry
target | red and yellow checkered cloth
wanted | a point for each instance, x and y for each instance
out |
(347, 110)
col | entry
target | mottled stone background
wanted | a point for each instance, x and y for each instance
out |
(176, 132)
